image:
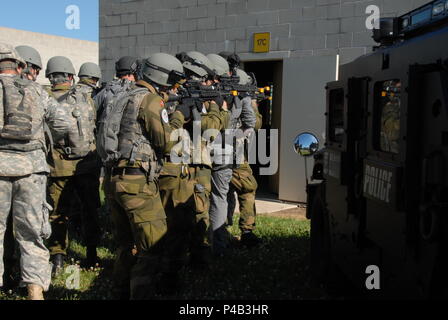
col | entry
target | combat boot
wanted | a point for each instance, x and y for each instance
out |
(35, 292)
(249, 239)
(92, 257)
(58, 263)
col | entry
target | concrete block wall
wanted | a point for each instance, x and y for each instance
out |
(78, 51)
(298, 27)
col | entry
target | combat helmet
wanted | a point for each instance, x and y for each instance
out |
(30, 55)
(197, 63)
(126, 65)
(59, 64)
(232, 58)
(7, 52)
(162, 69)
(245, 79)
(90, 70)
(220, 65)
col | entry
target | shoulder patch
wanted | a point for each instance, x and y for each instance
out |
(164, 115)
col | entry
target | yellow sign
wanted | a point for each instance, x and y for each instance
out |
(262, 42)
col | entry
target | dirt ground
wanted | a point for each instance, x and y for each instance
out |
(297, 213)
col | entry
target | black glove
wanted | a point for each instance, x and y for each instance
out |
(185, 110)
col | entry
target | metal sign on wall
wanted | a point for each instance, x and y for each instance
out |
(262, 42)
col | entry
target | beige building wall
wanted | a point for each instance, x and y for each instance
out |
(78, 51)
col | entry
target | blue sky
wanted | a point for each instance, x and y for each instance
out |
(49, 16)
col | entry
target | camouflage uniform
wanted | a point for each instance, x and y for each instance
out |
(140, 217)
(185, 192)
(245, 185)
(390, 126)
(80, 176)
(23, 184)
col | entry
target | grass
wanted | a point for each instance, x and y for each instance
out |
(277, 270)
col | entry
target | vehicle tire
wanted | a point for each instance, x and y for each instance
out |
(320, 246)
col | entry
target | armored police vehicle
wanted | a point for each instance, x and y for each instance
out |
(378, 201)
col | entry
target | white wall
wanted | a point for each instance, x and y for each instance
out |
(78, 51)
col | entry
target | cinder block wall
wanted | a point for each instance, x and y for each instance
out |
(298, 27)
(78, 51)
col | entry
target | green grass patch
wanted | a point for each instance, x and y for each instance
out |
(278, 270)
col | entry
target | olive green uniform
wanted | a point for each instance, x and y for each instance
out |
(137, 211)
(245, 185)
(68, 176)
(185, 192)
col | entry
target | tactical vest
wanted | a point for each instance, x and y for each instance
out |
(82, 140)
(133, 145)
(20, 125)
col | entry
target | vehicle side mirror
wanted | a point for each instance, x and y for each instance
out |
(306, 144)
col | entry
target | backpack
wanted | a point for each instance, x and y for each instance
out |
(18, 110)
(110, 124)
(79, 142)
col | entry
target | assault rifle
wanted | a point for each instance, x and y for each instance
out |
(193, 94)
(231, 83)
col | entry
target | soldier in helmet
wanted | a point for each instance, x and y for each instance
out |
(143, 141)
(241, 116)
(186, 195)
(89, 76)
(74, 165)
(126, 75)
(33, 61)
(24, 108)
(243, 181)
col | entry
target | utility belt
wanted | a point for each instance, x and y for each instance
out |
(128, 171)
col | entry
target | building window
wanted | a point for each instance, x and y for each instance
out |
(387, 119)
(336, 113)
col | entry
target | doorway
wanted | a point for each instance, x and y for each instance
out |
(268, 74)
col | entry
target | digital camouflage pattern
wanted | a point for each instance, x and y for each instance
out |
(23, 184)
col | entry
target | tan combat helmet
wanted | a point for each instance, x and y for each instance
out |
(7, 52)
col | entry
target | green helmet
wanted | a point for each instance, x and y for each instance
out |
(30, 55)
(7, 52)
(197, 63)
(245, 79)
(90, 70)
(162, 69)
(221, 66)
(59, 65)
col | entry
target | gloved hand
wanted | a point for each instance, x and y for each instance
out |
(185, 110)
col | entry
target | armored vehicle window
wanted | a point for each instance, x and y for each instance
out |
(387, 118)
(336, 115)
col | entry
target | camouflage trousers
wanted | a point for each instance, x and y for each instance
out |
(23, 197)
(86, 186)
(244, 184)
(138, 218)
(185, 197)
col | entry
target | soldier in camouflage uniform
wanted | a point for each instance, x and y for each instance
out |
(74, 165)
(11, 250)
(243, 181)
(23, 168)
(89, 76)
(185, 187)
(143, 141)
(126, 75)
